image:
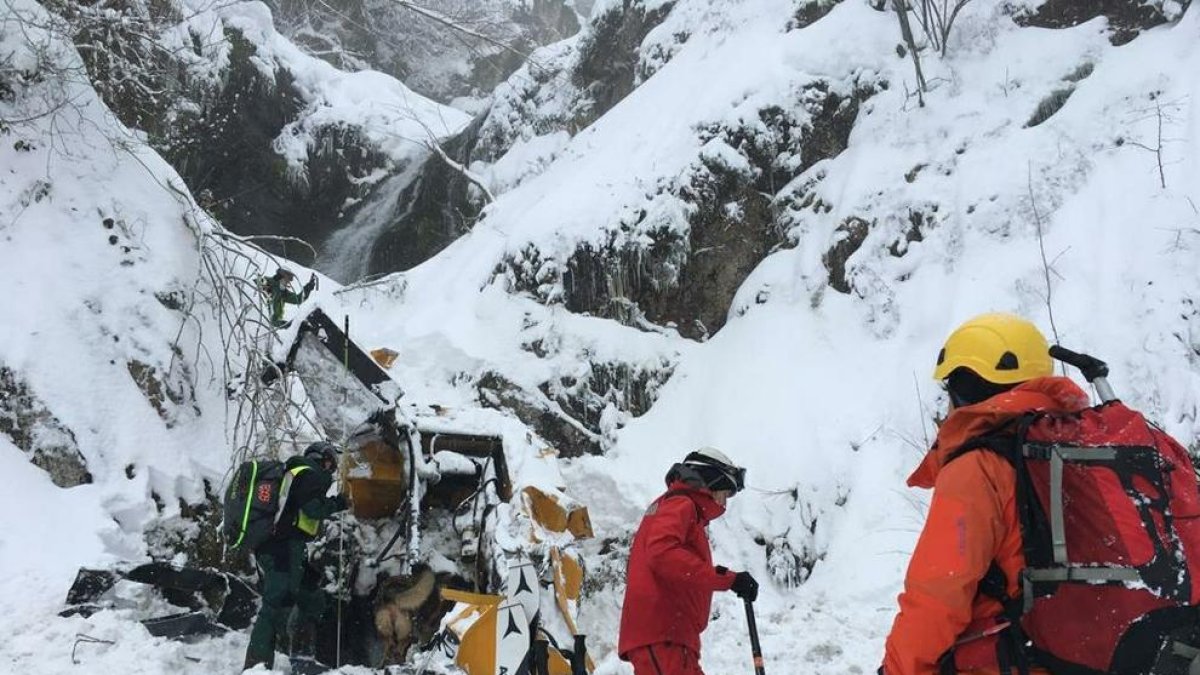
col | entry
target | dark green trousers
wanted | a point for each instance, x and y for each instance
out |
(289, 586)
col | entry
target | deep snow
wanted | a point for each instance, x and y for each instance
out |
(825, 396)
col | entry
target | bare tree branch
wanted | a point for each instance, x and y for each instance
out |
(449, 23)
(902, 9)
(1037, 219)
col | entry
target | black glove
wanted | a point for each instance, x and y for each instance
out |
(312, 283)
(744, 586)
(340, 503)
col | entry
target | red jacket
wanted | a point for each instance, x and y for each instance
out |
(972, 522)
(671, 578)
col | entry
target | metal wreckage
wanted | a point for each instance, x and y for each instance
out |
(440, 564)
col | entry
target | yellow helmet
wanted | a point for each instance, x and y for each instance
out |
(1000, 348)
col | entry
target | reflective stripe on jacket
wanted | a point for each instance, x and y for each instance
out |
(304, 503)
(304, 523)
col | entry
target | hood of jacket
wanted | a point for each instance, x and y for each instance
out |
(1044, 394)
(709, 509)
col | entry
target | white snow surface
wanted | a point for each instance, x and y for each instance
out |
(824, 396)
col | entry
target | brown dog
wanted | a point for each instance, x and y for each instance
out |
(402, 606)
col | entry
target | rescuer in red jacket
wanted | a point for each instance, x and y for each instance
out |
(671, 577)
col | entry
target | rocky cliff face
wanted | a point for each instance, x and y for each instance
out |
(1126, 18)
(683, 275)
(671, 262)
(215, 96)
(34, 429)
(443, 49)
(559, 91)
(225, 150)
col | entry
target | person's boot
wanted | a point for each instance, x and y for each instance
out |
(252, 661)
(304, 639)
(259, 653)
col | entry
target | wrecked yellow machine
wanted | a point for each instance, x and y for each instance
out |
(444, 560)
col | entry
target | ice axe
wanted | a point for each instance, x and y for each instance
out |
(755, 647)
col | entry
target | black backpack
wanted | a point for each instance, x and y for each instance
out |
(252, 503)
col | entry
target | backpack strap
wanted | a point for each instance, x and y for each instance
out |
(1011, 654)
(1007, 441)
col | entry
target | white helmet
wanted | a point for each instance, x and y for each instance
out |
(717, 471)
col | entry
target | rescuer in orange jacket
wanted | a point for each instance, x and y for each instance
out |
(671, 578)
(995, 368)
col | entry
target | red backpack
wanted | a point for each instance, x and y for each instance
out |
(1110, 525)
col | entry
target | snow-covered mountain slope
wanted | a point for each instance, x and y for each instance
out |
(272, 139)
(445, 49)
(819, 378)
(1037, 159)
(120, 366)
(100, 261)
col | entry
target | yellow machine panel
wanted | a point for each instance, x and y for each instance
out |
(375, 477)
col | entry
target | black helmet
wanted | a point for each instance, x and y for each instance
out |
(710, 468)
(321, 452)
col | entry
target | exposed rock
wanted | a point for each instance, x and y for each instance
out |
(809, 12)
(196, 533)
(918, 222)
(608, 53)
(225, 148)
(1126, 18)
(539, 413)
(429, 56)
(686, 277)
(609, 281)
(436, 209)
(166, 394)
(606, 388)
(218, 132)
(441, 204)
(849, 237)
(138, 78)
(31, 426)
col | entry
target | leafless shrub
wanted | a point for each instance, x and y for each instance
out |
(1163, 113)
(936, 18)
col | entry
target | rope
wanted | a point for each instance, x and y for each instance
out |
(83, 638)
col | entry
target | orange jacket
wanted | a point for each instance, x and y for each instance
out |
(972, 522)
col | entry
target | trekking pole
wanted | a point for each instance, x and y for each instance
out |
(1094, 370)
(541, 656)
(579, 656)
(341, 581)
(755, 647)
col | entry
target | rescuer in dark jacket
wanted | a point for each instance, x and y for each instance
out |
(289, 582)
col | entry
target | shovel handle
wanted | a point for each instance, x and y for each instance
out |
(1094, 370)
(1090, 366)
(755, 647)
